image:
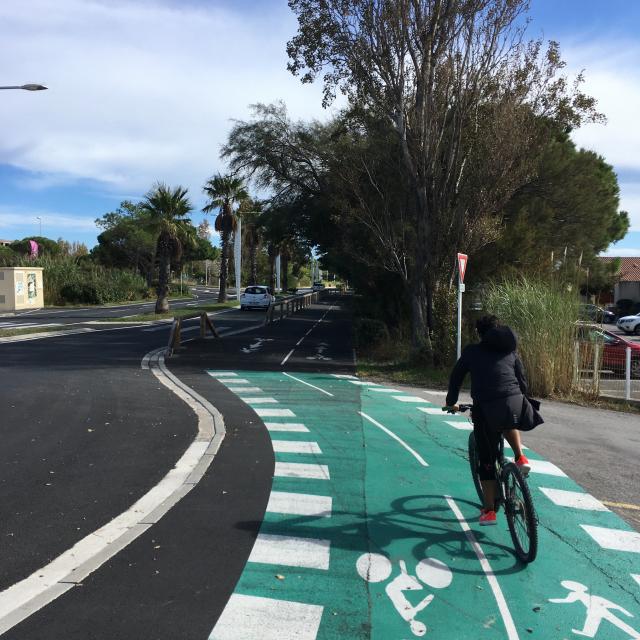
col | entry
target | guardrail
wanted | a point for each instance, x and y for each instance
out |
(176, 329)
(290, 305)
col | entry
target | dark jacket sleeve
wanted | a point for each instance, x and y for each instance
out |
(460, 370)
(522, 378)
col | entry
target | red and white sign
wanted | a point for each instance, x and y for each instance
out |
(462, 265)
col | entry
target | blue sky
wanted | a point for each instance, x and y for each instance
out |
(145, 90)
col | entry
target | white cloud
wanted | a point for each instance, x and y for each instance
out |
(138, 92)
(12, 219)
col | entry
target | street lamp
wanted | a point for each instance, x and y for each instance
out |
(39, 219)
(27, 87)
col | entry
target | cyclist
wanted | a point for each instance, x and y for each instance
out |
(498, 388)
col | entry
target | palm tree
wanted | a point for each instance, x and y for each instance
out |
(164, 210)
(250, 212)
(223, 192)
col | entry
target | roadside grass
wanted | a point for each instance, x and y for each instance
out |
(8, 333)
(175, 313)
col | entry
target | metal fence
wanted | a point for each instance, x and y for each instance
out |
(607, 369)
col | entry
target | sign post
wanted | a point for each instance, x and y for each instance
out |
(462, 267)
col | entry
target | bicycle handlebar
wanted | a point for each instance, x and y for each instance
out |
(458, 408)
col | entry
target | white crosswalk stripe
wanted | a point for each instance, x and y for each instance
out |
(290, 551)
(301, 470)
(255, 618)
(573, 499)
(293, 446)
(614, 539)
(299, 504)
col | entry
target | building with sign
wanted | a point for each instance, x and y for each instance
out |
(21, 288)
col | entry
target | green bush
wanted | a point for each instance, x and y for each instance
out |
(544, 316)
(80, 293)
(368, 332)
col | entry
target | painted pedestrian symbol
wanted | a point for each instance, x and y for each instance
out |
(374, 567)
(598, 610)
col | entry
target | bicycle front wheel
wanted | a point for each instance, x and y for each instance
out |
(474, 464)
(521, 515)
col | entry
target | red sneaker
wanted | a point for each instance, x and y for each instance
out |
(523, 465)
(487, 518)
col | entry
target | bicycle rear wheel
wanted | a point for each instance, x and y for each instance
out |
(474, 464)
(521, 515)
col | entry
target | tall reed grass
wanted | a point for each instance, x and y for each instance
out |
(544, 316)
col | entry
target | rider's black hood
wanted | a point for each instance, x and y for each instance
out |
(501, 338)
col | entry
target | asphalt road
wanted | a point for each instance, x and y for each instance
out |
(87, 432)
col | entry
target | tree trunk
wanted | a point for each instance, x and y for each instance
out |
(272, 268)
(421, 313)
(224, 240)
(284, 271)
(253, 261)
(164, 275)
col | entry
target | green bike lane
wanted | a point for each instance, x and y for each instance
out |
(365, 534)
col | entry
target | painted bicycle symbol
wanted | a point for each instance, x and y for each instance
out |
(374, 567)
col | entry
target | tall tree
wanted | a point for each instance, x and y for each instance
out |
(223, 192)
(166, 210)
(465, 95)
(250, 213)
(125, 241)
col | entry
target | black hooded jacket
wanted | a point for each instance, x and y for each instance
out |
(496, 370)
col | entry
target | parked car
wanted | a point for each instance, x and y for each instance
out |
(596, 314)
(256, 297)
(614, 349)
(317, 286)
(629, 324)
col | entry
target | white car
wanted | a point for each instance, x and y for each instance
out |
(317, 286)
(630, 324)
(255, 297)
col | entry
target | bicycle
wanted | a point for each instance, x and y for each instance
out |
(512, 492)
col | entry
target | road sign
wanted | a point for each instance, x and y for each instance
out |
(462, 265)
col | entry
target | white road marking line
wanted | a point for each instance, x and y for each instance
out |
(256, 400)
(573, 499)
(411, 399)
(345, 376)
(636, 578)
(362, 383)
(275, 413)
(434, 411)
(384, 390)
(230, 381)
(308, 385)
(299, 504)
(254, 618)
(508, 448)
(310, 553)
(301, 470)
(24, 598)
(222, 374)
(416, 455)
(548, 468)
(614, 539)
(461, 426)
(239, 390)
(512, 633)
(286, 426)
(435, 393)
(304, 336)
(294, 446)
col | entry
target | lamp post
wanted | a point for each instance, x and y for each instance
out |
(39, 219)
(27, 87)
